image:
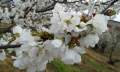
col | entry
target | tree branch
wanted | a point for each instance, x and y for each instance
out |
(48, 8)
(111, 3)
(10, 46)
(51, 7)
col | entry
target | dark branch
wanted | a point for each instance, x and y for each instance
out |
(51, 7)
(111, 3)
(10, 46)
(27, 10)
(48, 8)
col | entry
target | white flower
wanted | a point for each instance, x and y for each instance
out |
(57, 28)
(70, 19)
(99, 22)
(56, 43)
(37, 66)
(3, 42)
(79, 50)
(27, 49)
(6, 14)
(71, 57)
(2, 55)
(21, 63)
(86, 11)
(17, 2)
(42, 66)
(17, 29)
(62, 20)
(54, 47)
(33, 52)
(34, 56)
(25, 36)
(59, 7)
(31, 58)
(89, 40)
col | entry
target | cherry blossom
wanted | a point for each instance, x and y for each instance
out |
(63, 35)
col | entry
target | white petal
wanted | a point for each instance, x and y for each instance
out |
(75, 20)
(26, 38)
(99, 22)
(21, 63)
(42, 66)
(2, 55)
(80, 50)
(89, 40)
(53, 43)
(33, 52)
(31, 69)
(57, 43)
(17, 29)
(71, 57)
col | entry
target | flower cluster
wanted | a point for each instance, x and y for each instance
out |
(71, 36)
(65, 37)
